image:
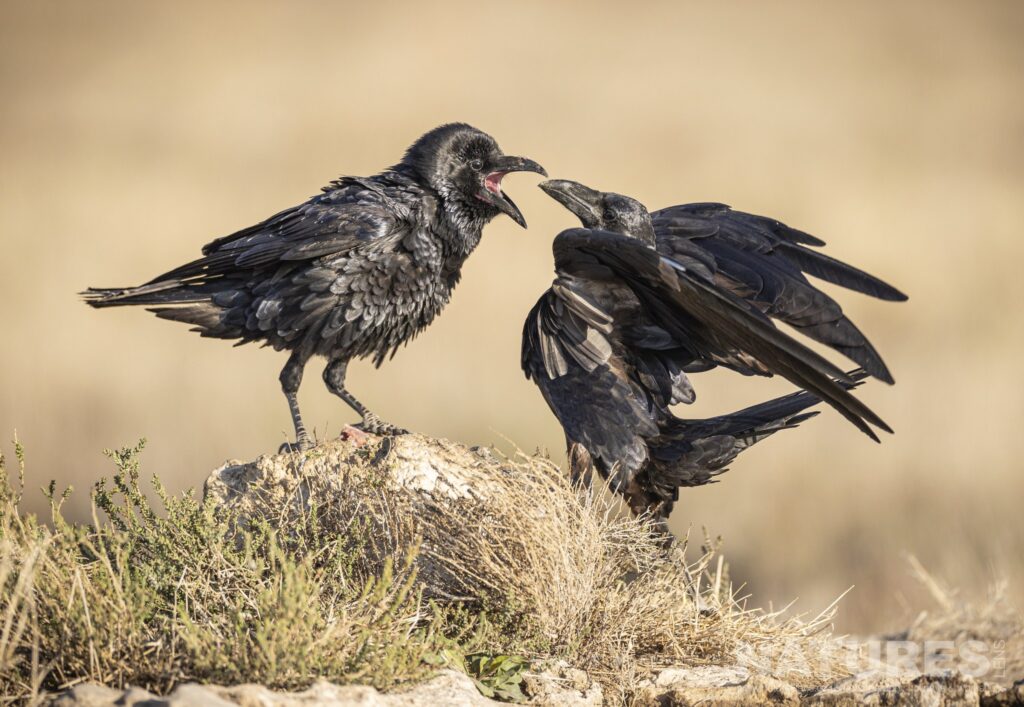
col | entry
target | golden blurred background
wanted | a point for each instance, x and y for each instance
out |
(132, 133)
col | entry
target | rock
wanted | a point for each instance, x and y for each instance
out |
(191, 694)
(91, 696)
(411, 461)
(932, 690)
(992, 696)
(703, 676)
(447, 688)
(561, 685)
(462, 513)
(714, 685)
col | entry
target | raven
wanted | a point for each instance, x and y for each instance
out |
(355, 271)
(628, 316)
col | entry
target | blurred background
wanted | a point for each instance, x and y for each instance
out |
(133, 133)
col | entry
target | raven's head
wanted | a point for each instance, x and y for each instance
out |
(607, 211)
(466, 165)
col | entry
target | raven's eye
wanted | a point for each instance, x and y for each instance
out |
(476, 164)
(609, 216)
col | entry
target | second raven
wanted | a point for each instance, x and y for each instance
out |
(353, 272)
(640, 302)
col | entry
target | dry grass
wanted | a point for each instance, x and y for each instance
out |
(585, 582)
(375, 586)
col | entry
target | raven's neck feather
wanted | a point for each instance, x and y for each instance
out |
(460, 222)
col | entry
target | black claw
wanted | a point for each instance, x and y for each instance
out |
(301, 445)
(384, 450)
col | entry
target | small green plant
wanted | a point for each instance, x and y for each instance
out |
(498, 676)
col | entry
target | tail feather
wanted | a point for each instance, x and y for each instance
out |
(751, 437)
(157, 293)
(206, 318)
(693, 452)
(775, 414)
(176, 302)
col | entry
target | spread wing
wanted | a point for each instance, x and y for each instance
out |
(764, 262)
(704, 316)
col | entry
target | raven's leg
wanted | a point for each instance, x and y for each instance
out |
(581, 466)
(291, 377)
(657, 510)
(334, 377)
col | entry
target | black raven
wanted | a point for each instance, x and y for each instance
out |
(610, 343)
(355, 271)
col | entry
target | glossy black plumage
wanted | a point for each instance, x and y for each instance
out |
(631, 312)
(694, 452)
(764, 262)
(353, 272)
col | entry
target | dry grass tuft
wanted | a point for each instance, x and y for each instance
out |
(564, 573)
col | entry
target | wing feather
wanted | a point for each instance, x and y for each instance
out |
(679, 300)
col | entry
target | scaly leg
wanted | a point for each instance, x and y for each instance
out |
(291, 378)
(334, 377)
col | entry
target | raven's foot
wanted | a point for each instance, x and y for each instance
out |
(376, 426)
(302, 444)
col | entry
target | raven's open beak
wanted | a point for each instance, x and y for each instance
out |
(581, 200)
(492, 192)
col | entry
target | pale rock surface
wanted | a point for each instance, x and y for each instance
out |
(427, 465)
(708, 686)
(714, 685)
(447, 688)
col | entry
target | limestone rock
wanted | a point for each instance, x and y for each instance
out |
(561, 685)
(715, 685)
(412, 461)
(993, 696)
(932, 690)
(447, 688)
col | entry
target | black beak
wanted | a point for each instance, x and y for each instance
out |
(492, 192)
(581, 200)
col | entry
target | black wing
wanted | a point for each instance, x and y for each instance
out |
(568, 353)
(764, 261)
(228, 276)
(695, 310)
(328, 224)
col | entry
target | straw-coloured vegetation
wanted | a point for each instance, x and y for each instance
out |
(375, 584)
